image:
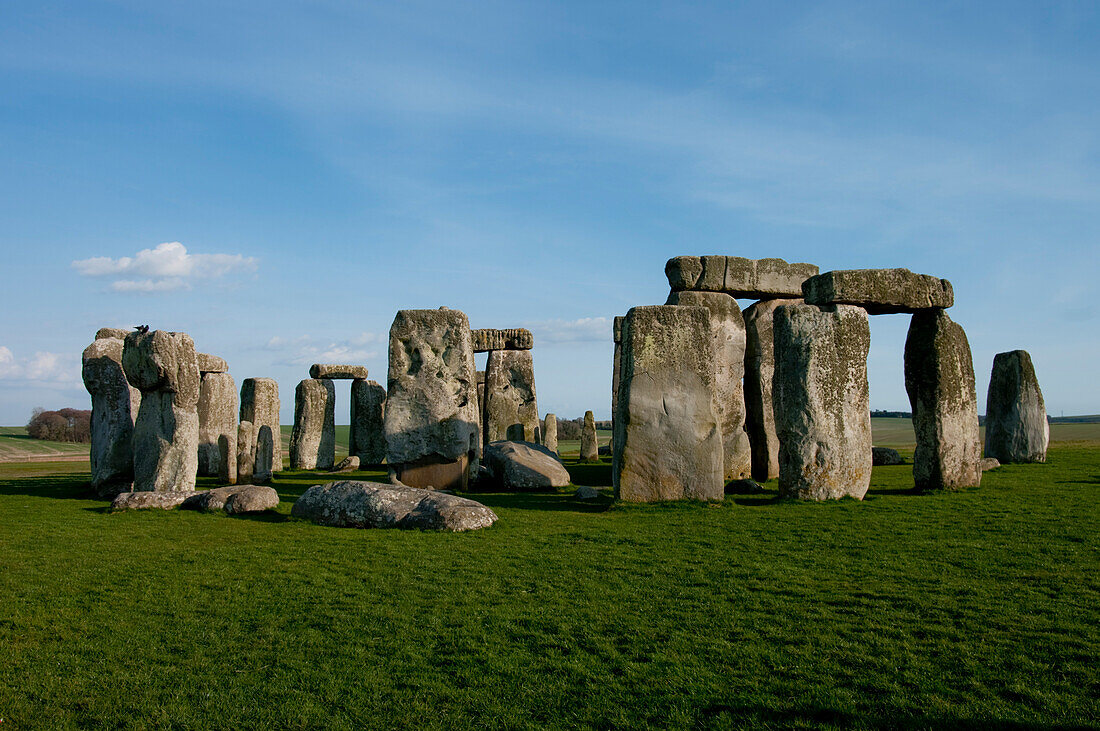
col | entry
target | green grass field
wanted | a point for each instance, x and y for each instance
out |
(16, 446)
(978, 609)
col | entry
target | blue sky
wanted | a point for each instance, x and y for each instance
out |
(314, 167)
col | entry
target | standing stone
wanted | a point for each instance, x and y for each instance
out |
(728, 330)
(115, 405)
(939, 377)
(217, 418)
(368, 429)
(481, 395)
(246, 452)
(822, 405)
(1016, 427)
(759, 370)
(265, 452)
(616, 364)
(590, 448)
(550, 432)
(163, 366)
(313, 440)
(227, 459)
(432, 421)
(667, 441)
(260, 407)
(511, 409)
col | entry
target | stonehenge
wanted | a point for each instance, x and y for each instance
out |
(485, 341)
(590, 449)
(367, 434)
(759, 371)
(313, 440)
(217, 418)
(550, 432)
(511, 408)
(246, 452)
(260, 407)
(115, 405)
(337, 372)
(879, 291)
(1016, 427)
(265, 455)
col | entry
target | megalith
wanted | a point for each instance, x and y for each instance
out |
(667, 439)
(115, 405)
(939, 377)
(368, 412)
(511, 408)
(822, 406)
(1016, 427)
(616, 363)
(313, 439)
(227, 459)
(879, 291)
(260, 407)
(759, 370)
(550, 432)
(246, 452)
(265, 454)
(217, 418)
(163, 366)
(432, 422)
(590, 447)
(727, 327)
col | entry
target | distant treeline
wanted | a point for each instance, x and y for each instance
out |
(572, 428)
(65, 425)
(878, 414)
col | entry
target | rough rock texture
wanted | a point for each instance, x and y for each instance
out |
(432, 421)
(117, 333)
(210, 500)
(338, 372)
(745, 486)
(211, 363)
(115, 405)
(368, 422)
(550, 432)
(347, 464)
(989, 463)
(313, 440)
(822, 408)
(260, 407)
(742, 278)
(728, 331)
(590, 449)
(265, 455)
(481, 395)
(146, 500)
(1016, 428)
(166, 432)
(759, 402)
(511, 408)
(616, 364)
(667, 439)
(515, 339)
(227, 458)
(879, 291)
(524, 466)
(353, 504)
(585, 492)
(252, 499)
(246, 452)
(217, 418)
(939, 377)
(885, 457)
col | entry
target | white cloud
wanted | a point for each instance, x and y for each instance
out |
(8, 367)
(306, 350)
(165, 268)
(582, 330)
(43, 368)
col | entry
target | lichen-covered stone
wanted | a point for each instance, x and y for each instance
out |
(939, 377)
(885, 457)
(227, 458)
(150, 500)
(115, 405)
(822, 407)
(338, 372)
(524, 466)
(487, 340)
(313, 440)
(260, 407)
(590, 448)
(368, 422)
(111, 332)
(1016, 427)
(667, 439)
(759, 403)
(879, 291)
(355, 504)
(246, 452)
(511, 408)
(265, 455)
(737, 276)
(211, 364)
(217, 418)
(990, 463)
(550, 432)
(347, 464)
(616, 364)
(728, 331)
(159, 360)
(252, 499)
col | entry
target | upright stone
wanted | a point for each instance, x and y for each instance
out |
(260, 407)
(759, 370)
(668, 441)
(265, 453)
(227, 459)
(616, 364)
(550, 432)
(939, 377)
(246, 452)
(1016, 427)
(728, 331)
(822, 406)
(481, 395)
(115, 405)
(590, 448)
(432, 421)
(163, 366)
(511, 408)
(217, 418)
(313, 440)
(368, 429)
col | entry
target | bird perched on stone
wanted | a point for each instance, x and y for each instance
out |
(141, 328)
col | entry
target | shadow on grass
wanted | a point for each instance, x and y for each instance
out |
(554, 501)
(832, 717)
(61, 487)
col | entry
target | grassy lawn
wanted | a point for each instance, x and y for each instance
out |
(974, 609)
(15, 445)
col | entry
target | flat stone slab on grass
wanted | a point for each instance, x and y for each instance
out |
(356, 504)
(737, 276)
(524, 466)
(151, 500)
(337, 372)
(252, 499)
(879, 291)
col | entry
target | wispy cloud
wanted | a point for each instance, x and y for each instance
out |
(581, 330)
(307, 349)
(167, 267)
(56, 370)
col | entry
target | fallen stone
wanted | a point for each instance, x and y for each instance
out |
(252, 499)
(885, 457)
(879, 291)
(524, 466)
(347, 464)
(338, 372)
(211, 363)
(584, 492)
(739, 277)
(150, 500)
(744, 486)
(260, 407)
(355, 504)
(117, 333)
(550, 432)
(246, 452)
(368, 422)
(511, 407)
(759, 402)
(590, 449)
(487, 340)
(1016, 427)
(989, 463)
(313, 440)
(217, 418)
(210, 501)
(115, 405)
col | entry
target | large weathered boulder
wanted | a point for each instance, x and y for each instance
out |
(667, 440)
(347, 464)
(432, 421)
(260, 408)
(759, 403)
(590, 447)
(211, 364)
(511, 407)
(313, 440)
(524, 466)
(739, 277)
(728, 331)
(217, 418)
(487, 340)
(550, 432)
(1016, 427)
(879, 291)
(885, 457)
(822, 407)
(939, 377)
(212, 500)
(355, 504)
(115, 405)
(246, 452)
(252, 499)
(990, 463)
(150, 500)
(337, 372)
(368, 417)
(166, 432)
